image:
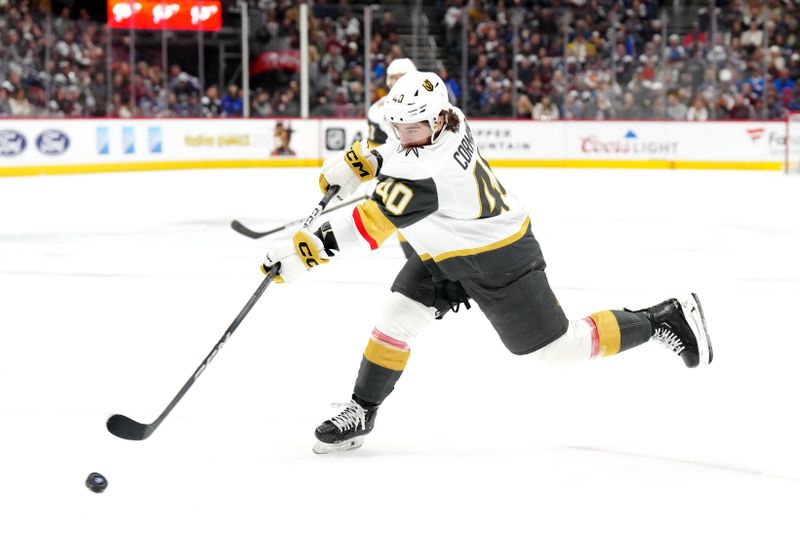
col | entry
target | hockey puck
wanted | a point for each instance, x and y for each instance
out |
(96, 482)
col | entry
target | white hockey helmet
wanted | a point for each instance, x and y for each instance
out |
(397, 68)
(419, 96)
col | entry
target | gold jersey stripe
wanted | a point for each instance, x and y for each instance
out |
(375, 223)
(386, 356)
(608, 331)
(488, 248)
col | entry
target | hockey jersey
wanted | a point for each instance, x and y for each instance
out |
(449, 205)
(378, 134)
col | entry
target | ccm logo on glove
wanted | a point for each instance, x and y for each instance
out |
(305, 251)
(296, 255)
(356, 164)
(348, 170)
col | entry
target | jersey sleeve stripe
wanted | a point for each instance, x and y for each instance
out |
(373, 244)
(371, 223)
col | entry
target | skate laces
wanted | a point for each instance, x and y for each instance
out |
(352, 416)
(665, 335)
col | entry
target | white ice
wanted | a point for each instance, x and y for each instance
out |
(115, 287)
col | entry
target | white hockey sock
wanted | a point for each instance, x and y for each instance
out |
(573, 347)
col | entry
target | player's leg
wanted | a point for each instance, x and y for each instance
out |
(414, 302)
(679, 325)
(528, 318)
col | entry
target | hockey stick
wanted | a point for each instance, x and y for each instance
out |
(239, 227)
(126, 428)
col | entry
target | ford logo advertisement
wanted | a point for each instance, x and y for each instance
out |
(12, 143)
(52, 142)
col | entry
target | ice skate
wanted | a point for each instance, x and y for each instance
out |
(346, 430)
(681, 327)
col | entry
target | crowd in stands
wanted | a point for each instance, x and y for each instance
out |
(58, 66)
(541, 59)
(606, 59)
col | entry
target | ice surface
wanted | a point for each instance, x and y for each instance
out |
(115, 287)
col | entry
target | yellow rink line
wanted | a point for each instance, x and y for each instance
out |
(71, 169)
(639, 164)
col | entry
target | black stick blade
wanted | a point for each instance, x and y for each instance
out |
(128, 429)
(239, 227)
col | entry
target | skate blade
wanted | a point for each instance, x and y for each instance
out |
(697, 320)
(328, 448)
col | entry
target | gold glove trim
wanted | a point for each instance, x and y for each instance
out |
(278, 279)
(360, 166)
(307, 249)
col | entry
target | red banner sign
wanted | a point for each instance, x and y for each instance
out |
(204, 15)
(284, 59)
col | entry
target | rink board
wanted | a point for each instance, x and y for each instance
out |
(54, 146)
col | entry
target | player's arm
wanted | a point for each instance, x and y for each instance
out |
(349, 169)
(396, 203)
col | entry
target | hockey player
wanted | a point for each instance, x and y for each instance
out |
(378, 130)
(474, 242)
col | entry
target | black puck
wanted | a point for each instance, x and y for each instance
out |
(96, 482)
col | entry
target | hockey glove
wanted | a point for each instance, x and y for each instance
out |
(297, 255)
(348, 170)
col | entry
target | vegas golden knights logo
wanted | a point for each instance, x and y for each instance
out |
(427, 85)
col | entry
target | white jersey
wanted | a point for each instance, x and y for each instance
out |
(449, 205)
(379, 132)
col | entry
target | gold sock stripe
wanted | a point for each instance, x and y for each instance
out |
(608, 331)
(386, 356)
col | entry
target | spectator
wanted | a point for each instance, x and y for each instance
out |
(524, 107)
(784, 82)
(190, 107)
(581, 49)
(288, 104)
(630, 109)
(232, 102)
(694, 38)
(741, 109)
(698, 110)
(453, 88)
(545, 109)
(212, 105)
(19, 105)
(753, 37)
(261, 103)
(572, 107)
(601, 108)
(676, 109)
(675, 51)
